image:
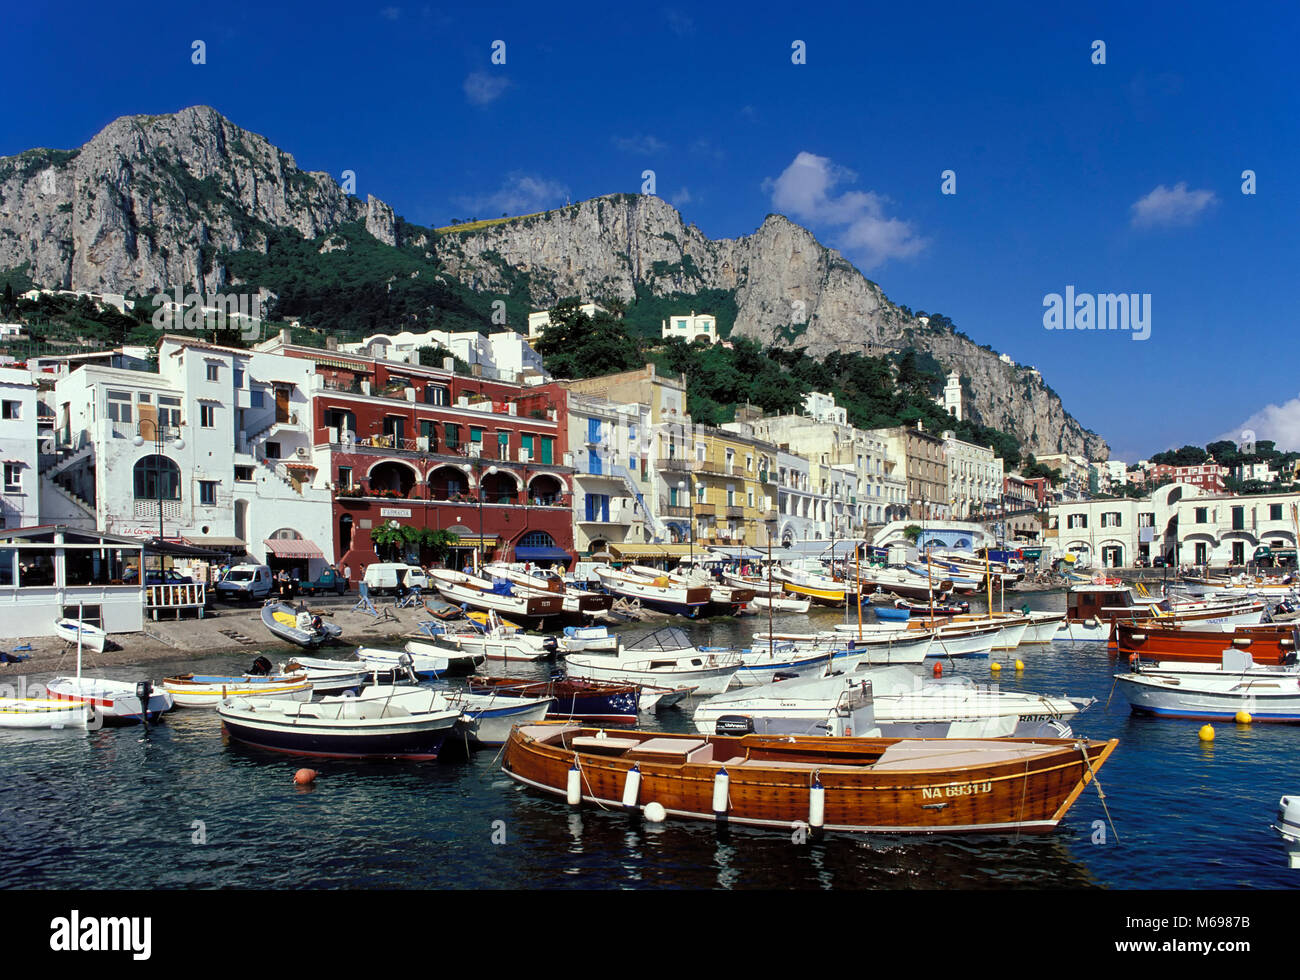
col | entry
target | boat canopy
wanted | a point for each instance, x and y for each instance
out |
(668, 638)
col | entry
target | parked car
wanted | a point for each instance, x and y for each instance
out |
(1160, 562)
(154, 577)
(395, 577)
(330, 580)
(246, 582)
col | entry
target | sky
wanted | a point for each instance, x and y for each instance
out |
(1099, 169)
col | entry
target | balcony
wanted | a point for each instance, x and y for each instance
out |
(674, 464)
(361, 494)
(735, 512)
(666, 511)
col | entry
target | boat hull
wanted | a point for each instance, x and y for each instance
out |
(114, 702)
(1021, 786)
(413, 742)
(1267, 645)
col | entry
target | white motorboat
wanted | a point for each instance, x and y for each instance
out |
(209, 690)
(950, 639)
(902, 705)
(115, 702)
(664, 658)
(577, 602)
(871, 646)
(488, 718)
(587, 639)
(1215, 691)
(781, 604)
(495, 595)
(330, 677)
(659, 593)
(497, 639)
(428, 663)
(427, 656)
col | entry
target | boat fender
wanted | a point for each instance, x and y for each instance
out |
(573, 791)
(632, 788)
(816, 803)
(721, 786)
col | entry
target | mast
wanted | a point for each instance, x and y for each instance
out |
(857, 562)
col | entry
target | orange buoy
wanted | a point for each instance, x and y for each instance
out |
(938, 670)
(304, 776)
(1133, 658)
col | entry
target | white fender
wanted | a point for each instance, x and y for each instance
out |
(816, 804)
(721, 785)
(632, 787)
(573, 793)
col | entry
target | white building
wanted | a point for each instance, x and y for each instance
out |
(613, 474)
(1226, 530)
(504, 356)
(951, 398)
(20, 490)
(539, 320)
(690, 328)
(974, 478)
(822, 407)
(216, 449)
(1113, 533)
(1254, 471)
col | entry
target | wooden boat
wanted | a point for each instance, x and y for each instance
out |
(853, 784)
(1153, 640)
(487, 718)
(383, 722)
(781, 604)
(663, 658)
(1214, 691)
(298, 626)
(906, 584)
(823, 590)
(1091, 611)
(115, 702)
(209, 690)
(74, 630)
(724, 599)
(659, 593)
(573, 698)
(577, 602)
(43, 713)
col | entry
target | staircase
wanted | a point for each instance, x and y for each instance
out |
(83, 504)
(292, 483)
(85, 452)
(656, 529)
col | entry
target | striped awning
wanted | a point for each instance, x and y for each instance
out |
(292, 548)
(485, 543)
(654, 550)
(348, 365)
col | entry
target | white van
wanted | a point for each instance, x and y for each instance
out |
(392, 576)
(245, 582)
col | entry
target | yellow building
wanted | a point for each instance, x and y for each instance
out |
(724, 483)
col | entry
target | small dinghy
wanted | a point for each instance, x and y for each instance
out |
(781, 604)
(72, 630)
(42, 713)
(339, 676)
(298, 626)
(209, 690)
(115, 702)
(588, 639)
(458, 661)
(421, 666)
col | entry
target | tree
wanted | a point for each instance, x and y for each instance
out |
(9, 297)
(912, 532)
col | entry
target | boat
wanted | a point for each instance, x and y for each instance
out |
(665, 657)
(43, 713)
(886, 614)
(1236, 684)
(573, 698)
(383, 722)
(906, 584)
(872, 646)
(209, 690)
(1043, 626)
(1092, 609)
(764, 664)
(724, 599)
(496, 639)
(487, 718)
(892, 701)
(429, 658)
(823, 590)
(75, 630)
(298, 626)
(659, 593)
(594, 639)
(576, 602)
(781, 604)
(951, 639)
(331, 676)
(865, 785)
(114, 702)
(1153, 640)
(495, 595)
(421, 665)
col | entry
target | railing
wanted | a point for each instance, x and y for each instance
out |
(669, 511)
(735, 512)
(158, 598)
(146, 509)
(365, 494)
(675, 464)
(706, 510)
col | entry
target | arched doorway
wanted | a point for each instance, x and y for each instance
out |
(345, 535)
(545, 491)
(392, 477)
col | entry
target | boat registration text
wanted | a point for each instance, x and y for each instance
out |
(961, 789)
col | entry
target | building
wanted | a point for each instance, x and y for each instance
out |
(612, 476)
(1113, 533)
(504, 356)
(974, 478)
(926, 469)
(1261, 472)
(1220, 529)
(692, 327)
(19, 449)
(1208, 476)
(723, 483)
(1075, 473)
(951, 399)
(539, 320)
(425, 448)
(822, 408)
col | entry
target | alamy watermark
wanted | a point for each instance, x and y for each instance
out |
(1101, 311)
(223, 311)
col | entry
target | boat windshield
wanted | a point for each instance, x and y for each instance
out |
(668, 638)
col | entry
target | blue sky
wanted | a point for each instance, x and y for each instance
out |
(1116, 177)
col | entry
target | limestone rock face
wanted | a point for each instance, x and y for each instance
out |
(150, 202)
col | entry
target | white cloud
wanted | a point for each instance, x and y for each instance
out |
(683, 196)
(705, 147)
(1280, 423)
(482, 87)
(805, 191)
(1165, 206)
(640, 144)
(521, 193)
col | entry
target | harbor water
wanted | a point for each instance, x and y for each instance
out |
(179, 807)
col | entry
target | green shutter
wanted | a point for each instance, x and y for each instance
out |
(475, 434)
(548, 446)
(526, 444)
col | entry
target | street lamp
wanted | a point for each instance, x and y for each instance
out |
(682, 487)
(478, 554)
(159, 438)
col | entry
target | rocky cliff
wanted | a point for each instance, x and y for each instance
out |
(151, 202)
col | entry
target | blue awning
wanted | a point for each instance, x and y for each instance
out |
(542, 554)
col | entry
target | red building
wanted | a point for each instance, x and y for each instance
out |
(428, 448)
(1208, 476)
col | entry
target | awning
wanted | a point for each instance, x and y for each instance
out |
(473, 541)
(300, 466)
(655, 550)
(215, 541)
(542, 554)
(177, 549)
(359, 366)
(292, 548)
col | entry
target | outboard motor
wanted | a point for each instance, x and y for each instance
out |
(733, 725)
(405, 663)
(260, 667)
(144, 691)
(782, 675)
(551, 645)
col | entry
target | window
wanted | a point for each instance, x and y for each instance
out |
(272, 450)
(1110, 519)
(526, 445)
(749, 494)
(214, 372)
(169, 411)
(208, 493)
(256, 398)
(35, 567)
(1201, 513)
(239, 377)
(244, 473)
(157, 477)
(1239, 518)
(11, 410)
(1147, 520)
(345, 476)
(475, 434)
(699, 493)
(451, 435)
(1274, 512)
(7, 566)
(749, 463)
(119, 406)
(437, 395)
(1077, 520)
(13, 478)
(503, 445)
(207, 416)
